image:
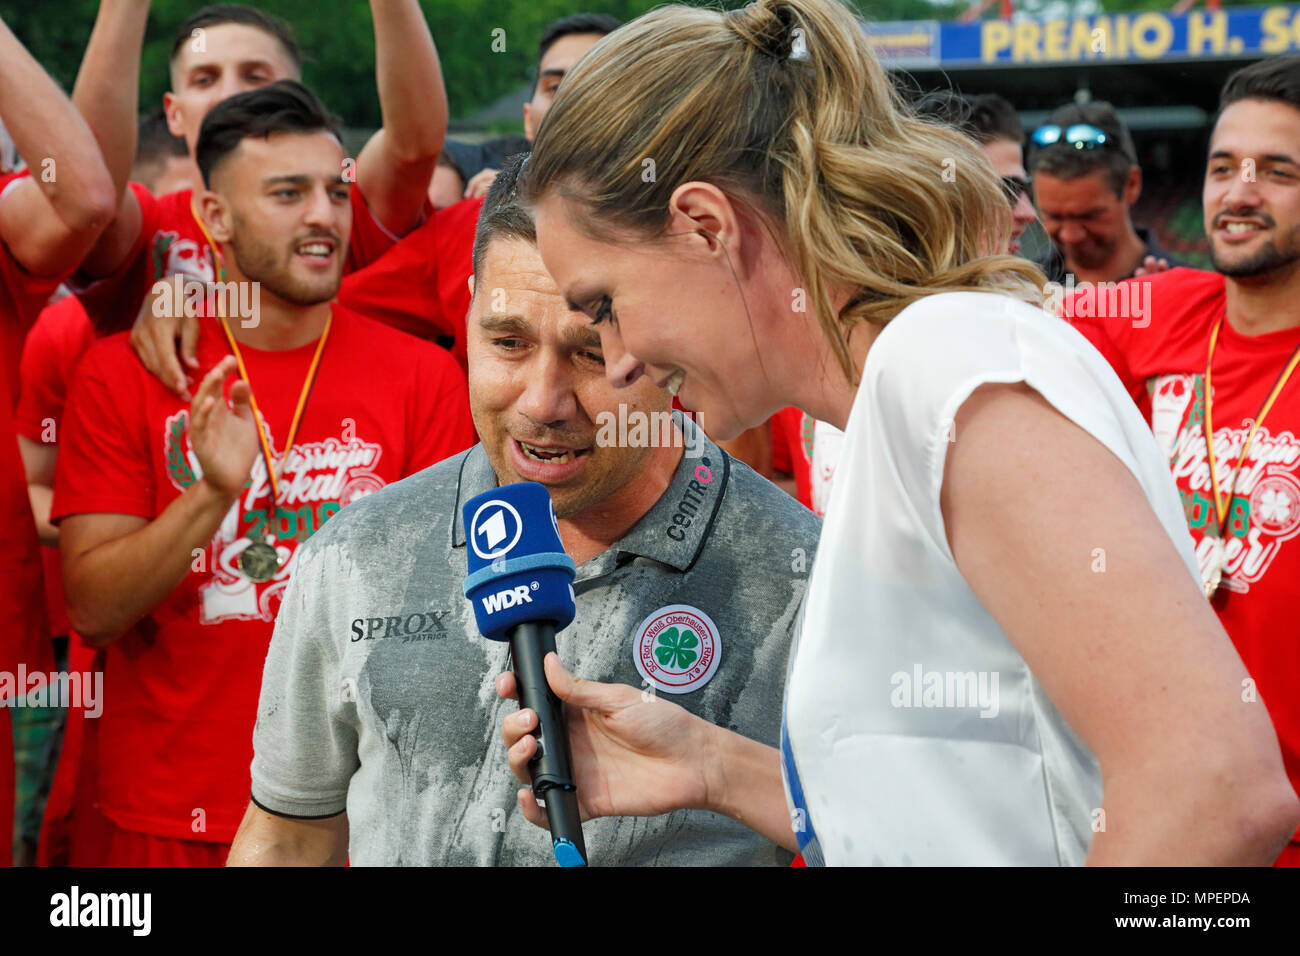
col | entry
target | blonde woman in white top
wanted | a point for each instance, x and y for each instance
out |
(751, 217)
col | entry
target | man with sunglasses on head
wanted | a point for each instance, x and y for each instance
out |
(1214, 367)
(1086, 180)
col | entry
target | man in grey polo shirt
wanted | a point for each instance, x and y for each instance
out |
(377, 734)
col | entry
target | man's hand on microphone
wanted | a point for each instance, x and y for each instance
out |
(633, 755)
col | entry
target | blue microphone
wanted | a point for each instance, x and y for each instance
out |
(520, 583)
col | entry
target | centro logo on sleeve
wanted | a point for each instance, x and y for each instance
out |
(494, 522)
(509, 598)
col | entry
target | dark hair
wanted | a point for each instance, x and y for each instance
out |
(985, 118)
(155, 142)
(220, 13)
(577, 23)
(285, 106)
(1064, 160)
(995, 118)
(1277, 78)
(504, 214)
(497, 151)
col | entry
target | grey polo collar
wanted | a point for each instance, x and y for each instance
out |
(673, 532)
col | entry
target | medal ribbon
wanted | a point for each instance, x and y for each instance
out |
(297, 414)
(1221, 507)
(273, 478)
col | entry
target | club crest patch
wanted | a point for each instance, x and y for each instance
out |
(677, 649)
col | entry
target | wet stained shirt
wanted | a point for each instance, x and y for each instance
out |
(378, 696)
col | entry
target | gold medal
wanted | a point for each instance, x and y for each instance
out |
(1223, 502)
(260, 561)
(1214, 573)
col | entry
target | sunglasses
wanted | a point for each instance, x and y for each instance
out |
(1080, 136)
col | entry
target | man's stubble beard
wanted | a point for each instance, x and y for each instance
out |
(258, 263)
(1267, 259)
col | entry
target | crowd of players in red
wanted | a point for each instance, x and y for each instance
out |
(106, 537)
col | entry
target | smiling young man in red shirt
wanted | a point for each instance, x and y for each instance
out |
(1218, 352)
(180, 523)
(225, 49)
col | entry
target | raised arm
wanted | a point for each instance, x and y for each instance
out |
(50, 219)
(1132, 654)
(106, 93)
(394, 169)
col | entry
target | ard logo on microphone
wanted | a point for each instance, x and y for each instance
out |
(496, 521)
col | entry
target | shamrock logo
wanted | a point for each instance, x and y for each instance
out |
(674, 648)
(1275, 506)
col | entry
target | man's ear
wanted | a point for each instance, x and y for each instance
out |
(172, 110)
(1133, 186)
(470, 283)
(215, 213)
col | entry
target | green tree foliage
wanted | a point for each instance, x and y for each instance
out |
(338, 39)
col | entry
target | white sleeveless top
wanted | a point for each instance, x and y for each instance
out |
(914, 732)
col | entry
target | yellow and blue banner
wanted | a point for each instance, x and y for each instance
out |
(1235, 32)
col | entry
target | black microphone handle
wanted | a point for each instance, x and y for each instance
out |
(551, 768)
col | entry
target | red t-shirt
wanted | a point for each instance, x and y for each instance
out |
(171, 243)
(420, 286)
(792, 443)
(181, 687)
(54, 346)
(1163, 366)
(24, 636)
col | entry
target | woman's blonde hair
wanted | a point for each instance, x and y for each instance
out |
(784, 106)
